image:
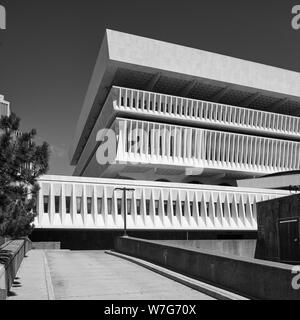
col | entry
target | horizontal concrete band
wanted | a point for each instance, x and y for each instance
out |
(252, 278)
(15, 252)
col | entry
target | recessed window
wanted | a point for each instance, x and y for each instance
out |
(166, 207)
(191, 207)
(119, 205)
(216, 209)
(156, 207)
(138, 207)
(68, 205)
(99, 205)
(89, 205)
(207, 208)
(183, 208)
(46, 204)
(129, 206)
(147, 207)
(57, 203)
(174, 208)
(223, 209)
(78, 205)
(109, 205)
(199, 209)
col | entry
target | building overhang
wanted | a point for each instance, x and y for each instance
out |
(141, 63)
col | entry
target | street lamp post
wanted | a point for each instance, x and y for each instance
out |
(125, 206)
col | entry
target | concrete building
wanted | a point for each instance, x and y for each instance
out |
(4, 107)
(187, 125)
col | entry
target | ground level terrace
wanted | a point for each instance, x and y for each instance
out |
(91, 203)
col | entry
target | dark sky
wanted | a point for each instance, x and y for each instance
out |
(49, 49)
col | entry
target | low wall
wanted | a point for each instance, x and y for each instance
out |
(245, 276)
(241, 248)
(15, 251)
(47, 245)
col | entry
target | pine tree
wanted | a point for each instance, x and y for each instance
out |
(21, 163)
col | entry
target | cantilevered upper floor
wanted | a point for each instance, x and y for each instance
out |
(172, 70)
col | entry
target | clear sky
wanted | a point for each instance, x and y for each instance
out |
(49, 49)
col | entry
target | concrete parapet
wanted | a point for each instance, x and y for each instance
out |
(249, 277)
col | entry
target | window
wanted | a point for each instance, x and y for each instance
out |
(166, 207)
(223, 209)
(89, 205)
(191, 207)
(46, 204)
(129, 206)
(138, 207)
(68, 205)
(147, 207)
(171, 146)
(160, 145)
(57, 200)
(174, 208)
(199, 208)
(78, 204)
(119, 205)
(216, 208)
(109, 205)
(207, 208)
(99, 205)
(156, 207)
(183, 208)
(238, 209)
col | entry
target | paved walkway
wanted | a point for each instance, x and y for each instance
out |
(32, 281)
(93, 275)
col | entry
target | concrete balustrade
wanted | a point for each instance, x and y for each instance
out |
(201, 112)
(143, 142)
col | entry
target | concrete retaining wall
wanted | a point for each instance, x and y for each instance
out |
(249, 277)
(15, 250)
